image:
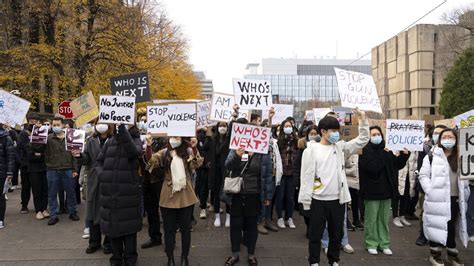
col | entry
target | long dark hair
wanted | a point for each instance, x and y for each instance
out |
(308, 129)
(453, 157)
(282, 138)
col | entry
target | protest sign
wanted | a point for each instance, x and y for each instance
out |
(253, 94)
(341, 117)
(357, 90)
(403, 134)
(222, 107)
(157, 119)
(172, 120)
(75, 139)
(465, 120)
(250, 138)
(87, 117)
(282, 111)
(13, 109)
(244, 114)
(134, 85)
(204, 114)
(117, 109)
(39, 135)
(320, 113)
(445, 122)
(429, 119)
(349, 132)
(83, 104)
(309, 115)
(466, 152)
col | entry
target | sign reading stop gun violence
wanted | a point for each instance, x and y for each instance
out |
(174, 120)
(250, 138)
(253, 94)
(134, 85)
(117, 110)
(466, 151)
(13, 109)
(357, 90)
(403, 134)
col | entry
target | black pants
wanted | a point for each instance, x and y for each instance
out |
(151, 200)
(77, 188)
(124, 250)
(15, 174)
(202, 186)
(25, 187)
(451, 240)
(411, 209)
(321, 212)
(239, 225)
(400, 203)
(216, 193)
(177, 218)
(95, 239)
(355, 205)
(3, 202)
(39, 186)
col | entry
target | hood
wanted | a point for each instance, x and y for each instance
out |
(372, 146)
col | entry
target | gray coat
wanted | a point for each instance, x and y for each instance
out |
(89, 156)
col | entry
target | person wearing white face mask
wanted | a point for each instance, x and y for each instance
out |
(446, 198)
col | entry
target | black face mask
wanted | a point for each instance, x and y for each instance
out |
(201, 135)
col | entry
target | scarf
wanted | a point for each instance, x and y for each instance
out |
(178, 173)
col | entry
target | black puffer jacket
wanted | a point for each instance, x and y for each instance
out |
(378, 172)
(120, 185)
(219, 149)
(7, 155)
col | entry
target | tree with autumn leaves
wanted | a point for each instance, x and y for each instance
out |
(55, 50)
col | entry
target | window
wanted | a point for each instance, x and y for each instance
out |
(432, 111)
(410, 111)
(433, 80)
(433, 96)
(409, 99)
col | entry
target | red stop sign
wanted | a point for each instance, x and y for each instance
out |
(65, 110)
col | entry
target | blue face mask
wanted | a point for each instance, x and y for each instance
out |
(57, 130)
(435, 138)
(376, 140)
(334, 137)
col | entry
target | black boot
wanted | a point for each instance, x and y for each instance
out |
(171, 261)
(421, 241)
(184, 261)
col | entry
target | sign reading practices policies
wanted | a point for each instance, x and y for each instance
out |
(357, 90)
(117, 110)
(75, 139)
(172, 120)
(204, 114)
(465, 119)
(253, 94)
(133, 85)
(13, 109)
(466, 149)
(39, 135)
(282, 111)
(403, 134)
(250, 138)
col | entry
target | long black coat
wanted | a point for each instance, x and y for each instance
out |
(7, 156)
(120, 185)
(219, 149)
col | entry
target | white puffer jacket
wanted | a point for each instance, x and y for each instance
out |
(409, 169)
(435, 181)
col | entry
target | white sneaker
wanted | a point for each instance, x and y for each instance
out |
(397, 222)
(211, 208)
(326, 251)
(281, 223)
(291, 224)
(372, 251)
(86, 234)
(348, 249)
(46, 214)
(6, 197)
(2, 225)
(39, 216)
(387, 252)
(471, 238)
(404, 221)
(335, 264)
(203, 214)
(217, 221)
(315, 264)
(227, 220)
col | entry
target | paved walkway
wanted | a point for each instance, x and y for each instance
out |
(26, 241)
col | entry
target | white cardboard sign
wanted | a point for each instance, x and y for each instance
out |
(13, 109)
(357, 90)
(282, 111)
(117, 110)
(309, 115)
(172, 120)
(320, 113)
(204, 114)
(465, 119)
(403, 134)
(466, 152)
(250, 138)
(222, 107)
(253, 94)
(157, 119)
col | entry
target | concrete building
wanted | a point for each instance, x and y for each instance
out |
(410, 67)
(306, 83)
(207, 87)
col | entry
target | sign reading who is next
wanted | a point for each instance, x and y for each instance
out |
(134, 85)
(253, 94)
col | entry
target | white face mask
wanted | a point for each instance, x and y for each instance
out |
(101, 128)
(222, 130)
(175, 143)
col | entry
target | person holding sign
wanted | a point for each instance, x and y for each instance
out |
(177, 197)
(7, 166)
(446, 198)
(324, 190)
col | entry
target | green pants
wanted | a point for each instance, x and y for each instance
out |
(376, 234)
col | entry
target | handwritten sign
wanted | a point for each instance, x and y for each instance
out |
(204, 114)
(282, 111)
(83, 104)
(253, 94)
(39, 135)
(13, 109)
(75, 139)
(407, 134)
(117, 109)
(349, 132)
(222, 107)
(157, 119)
(250, 138)
(465, 120)
(309, 115)
(87, 117)
(357, 90)
(172, 120)
(133, 85)
(320, 113)
(466, 148)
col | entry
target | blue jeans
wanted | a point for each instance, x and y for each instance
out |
(285, 195)
(470, 212)
(345, 238)
(54, 178)
(265, 211)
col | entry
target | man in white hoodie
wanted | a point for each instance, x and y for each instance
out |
(324, 189)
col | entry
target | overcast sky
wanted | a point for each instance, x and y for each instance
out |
(224, 36)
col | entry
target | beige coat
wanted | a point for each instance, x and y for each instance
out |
(352, 171)
(409, 170)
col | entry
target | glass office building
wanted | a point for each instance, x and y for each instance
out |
(304, 82)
